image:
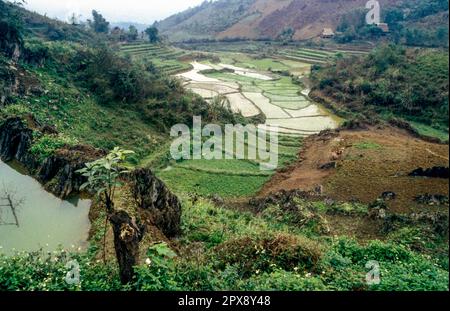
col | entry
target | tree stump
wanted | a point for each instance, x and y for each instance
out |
(127, 235)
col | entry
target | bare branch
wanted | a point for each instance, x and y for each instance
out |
(9, 200)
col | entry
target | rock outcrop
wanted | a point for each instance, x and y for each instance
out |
(162, 208)
(15, 140)
(58, 172)
(433, 172)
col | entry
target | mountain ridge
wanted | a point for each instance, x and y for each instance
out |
(269, 19)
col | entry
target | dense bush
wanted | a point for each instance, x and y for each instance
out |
(407, 82)
(35, 53)
(265, 254)
(42, 271)
(45, 145)
(11, 28)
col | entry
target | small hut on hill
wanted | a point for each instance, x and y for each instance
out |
(328, 33)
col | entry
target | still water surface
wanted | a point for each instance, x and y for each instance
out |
(44, 220)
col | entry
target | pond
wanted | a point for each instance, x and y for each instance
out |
(45, 221)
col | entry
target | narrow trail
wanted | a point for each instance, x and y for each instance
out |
(437, 155)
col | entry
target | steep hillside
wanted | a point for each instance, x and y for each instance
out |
(391, 82)
(206, 20)
(86, 91)
(258, 18)
(300, 19)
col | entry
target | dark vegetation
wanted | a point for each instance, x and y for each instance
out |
(11, 29)
(393, 82)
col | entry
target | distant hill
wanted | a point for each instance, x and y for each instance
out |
(126, 25)
(305, 19)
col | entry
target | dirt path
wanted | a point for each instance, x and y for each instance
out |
(368, 163)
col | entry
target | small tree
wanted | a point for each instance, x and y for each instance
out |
(152, 33)
(99, 25)
(11, 28)
(133, 33)
(74, 19)
(103, 175)
(103, 178)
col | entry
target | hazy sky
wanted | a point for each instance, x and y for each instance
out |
(142, 11)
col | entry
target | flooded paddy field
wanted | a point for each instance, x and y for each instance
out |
(251, 87)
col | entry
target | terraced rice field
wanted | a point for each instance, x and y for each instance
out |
(250, 91)
(226, 178)
(164, 58)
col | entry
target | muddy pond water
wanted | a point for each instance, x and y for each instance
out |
(45, 221)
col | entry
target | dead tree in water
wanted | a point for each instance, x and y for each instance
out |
(7, 200)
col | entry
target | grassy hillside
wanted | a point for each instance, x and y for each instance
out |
(205, 20)
(296, 241)
(285, 248)
(89, 93)
(391, 81)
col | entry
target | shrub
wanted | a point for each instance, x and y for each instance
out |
(159, 272)
(45, 145)
(264, 254)
(41, 271)
(35, 53)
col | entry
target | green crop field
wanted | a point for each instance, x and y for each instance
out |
(226, 178)
(164, 58)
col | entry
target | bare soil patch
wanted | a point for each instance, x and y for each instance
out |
(362, 164)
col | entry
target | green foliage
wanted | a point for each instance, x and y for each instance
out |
(39, 271)
(205, 183)
(400, 268)
(427, 130)
(253, 255)
(103, 174)
(45, 145)
(152, 33)
(16, 110)
(11, 28)
(158, 273)
(133, 33)
(249, 252)
(408, 83)
(115, 79)
(99, 24)
(410, 22)
(286, 35)
(186, 25)
(367, 145)
(35, 52)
